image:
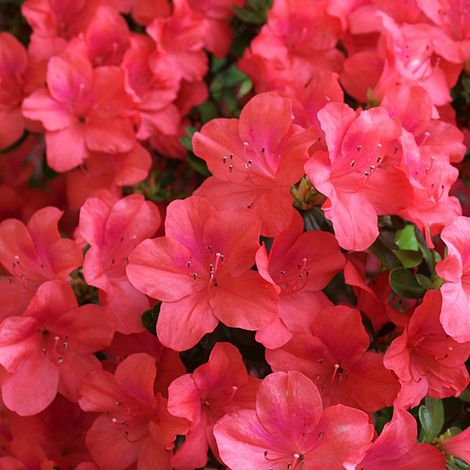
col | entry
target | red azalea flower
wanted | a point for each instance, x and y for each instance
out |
(214, 389)
(152, 94)
(396, 448)
(134, 424)
(458, 446)
(334, 355)
(49, 348)
(364, 158)
(113, 230)
(13, 66)
(201, 272)
(106, 37)
(33, 254)
(300, 265)
(255, 160)
(180, 40)
(290, 429)
(426, 360)
(83, 109)
(455, 270)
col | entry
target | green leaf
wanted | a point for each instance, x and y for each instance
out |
(431, 417)
(424, 282)
(405, 284)
(409, 258)
(465, 395)
(385, 255)
(198, 164)
(456, 464)
(406, 238)
(207, 110)
(149, 319)
(187, 141)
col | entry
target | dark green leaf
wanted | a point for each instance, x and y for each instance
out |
(385, 255)
(149, 319)
(405, 284)
(198, 165)
(424, 282)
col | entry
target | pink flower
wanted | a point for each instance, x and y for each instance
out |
(363, 158)
(458, 446)
(425, 359)
(83, 110)
(217, 13)
(134, 424)
(452, 34)
(300, 265)
(455, 270)
(13, 65)
(107, 37)
(214, 389)
(255, 160)
(396, 448)
(108, 171)
(49, 348)
(201, 272)
(113, 230)
(152, 94)
(180, 40)
(335, 356)
(290, 429)
(33, 254)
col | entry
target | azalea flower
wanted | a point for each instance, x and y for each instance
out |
(50, 347)
(455, 270)
(214, 389)
(134, 424)
(396, 448)
(82, 109)
(363, 158)
(334, 355)
(113, 229)
(426, 360)
(201, 272)
(255, 160)
(290, 429)
(300, 265)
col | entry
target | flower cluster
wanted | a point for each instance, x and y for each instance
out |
(235, 234)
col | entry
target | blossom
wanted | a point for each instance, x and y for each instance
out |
(426, 360)
(255, 160)
(396, 448)
(290, 428)
(33, 254)
(455, 270)
(334, 355)
(49, 348)
(82, 109)
(363, 158)
(179, 41)
(300, 265)
(214, 389)
(152, 94)
(201, 272)
(134, 424)
(458, 445)
(13, 67)
(113, 230)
